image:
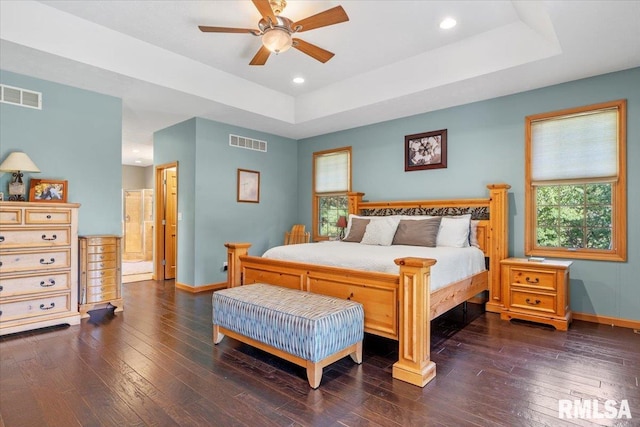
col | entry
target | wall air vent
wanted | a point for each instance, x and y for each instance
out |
(21, 97)
(248, 143)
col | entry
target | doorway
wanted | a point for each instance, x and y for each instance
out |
(166, 263)
(137, 248)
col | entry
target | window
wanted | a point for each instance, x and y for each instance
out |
(575, 192)
(331, 183)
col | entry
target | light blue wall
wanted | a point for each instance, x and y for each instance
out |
(77, 136)
(178, 144)
(207, 194)
(486, 145)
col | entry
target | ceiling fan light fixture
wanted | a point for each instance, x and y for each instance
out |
(277, 40)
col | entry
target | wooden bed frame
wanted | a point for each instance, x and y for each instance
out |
(400, 306)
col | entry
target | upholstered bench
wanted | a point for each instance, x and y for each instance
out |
(307, 329)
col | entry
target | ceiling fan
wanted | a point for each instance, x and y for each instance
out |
(277, 31)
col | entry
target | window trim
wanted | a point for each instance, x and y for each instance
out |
(618, 193)
(315, 196)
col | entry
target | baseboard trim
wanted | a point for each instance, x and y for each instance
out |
(197, 289)
(607, 320)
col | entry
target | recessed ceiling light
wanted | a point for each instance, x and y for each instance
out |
(135, 150)
(138, 161)
(448, 23)
(298, 80)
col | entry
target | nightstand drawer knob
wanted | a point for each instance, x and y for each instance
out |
(536, 302)
(533, 282)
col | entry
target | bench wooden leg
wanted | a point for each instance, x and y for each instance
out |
(217, 335)
(314, 374)
(356, 356)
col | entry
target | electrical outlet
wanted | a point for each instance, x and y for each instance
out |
(225, 266)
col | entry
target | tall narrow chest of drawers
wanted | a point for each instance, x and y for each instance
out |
(38, 265)
(100, 273)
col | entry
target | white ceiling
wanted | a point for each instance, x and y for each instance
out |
(391, 58)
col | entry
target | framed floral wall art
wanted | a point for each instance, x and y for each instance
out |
(426, 150)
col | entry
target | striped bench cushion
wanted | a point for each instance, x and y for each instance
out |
(304, 324)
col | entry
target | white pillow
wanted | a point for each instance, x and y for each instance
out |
(380, 232)
(454, 231)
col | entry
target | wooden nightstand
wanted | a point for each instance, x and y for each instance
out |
(536, 291)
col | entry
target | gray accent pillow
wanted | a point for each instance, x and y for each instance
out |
(422, 232)
(358, 227)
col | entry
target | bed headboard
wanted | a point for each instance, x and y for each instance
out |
(492, 227)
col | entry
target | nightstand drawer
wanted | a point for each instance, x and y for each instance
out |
(111, 256)
(97, 274)
(111, 249)
(101, 265)
(534, 278)
(533, 301)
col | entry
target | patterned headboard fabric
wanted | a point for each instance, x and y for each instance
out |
(477, 212)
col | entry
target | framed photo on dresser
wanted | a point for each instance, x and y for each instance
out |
(48, 191)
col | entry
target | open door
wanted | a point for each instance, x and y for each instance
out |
(166, 221)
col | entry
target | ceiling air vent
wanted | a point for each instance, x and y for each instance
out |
(248, 143)
(22, 97)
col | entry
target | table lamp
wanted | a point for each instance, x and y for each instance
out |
(16, 163)
(342, 224)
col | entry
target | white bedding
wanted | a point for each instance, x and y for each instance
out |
(453, 264)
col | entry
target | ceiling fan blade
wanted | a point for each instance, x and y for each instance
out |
(312, 50)
(328, 17)
(265, 10)
(261, 57)
(206, 29)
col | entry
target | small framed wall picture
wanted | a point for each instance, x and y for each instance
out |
(426, 150)
(48, 191)
(248, 186)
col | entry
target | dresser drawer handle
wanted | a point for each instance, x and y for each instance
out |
(1, 288)
(42, 307)
(43, 262)
(48, 216)
(533, 282)
(45, 285)
(536, 302)
(53, 237)
(1, 239)
(350, 296)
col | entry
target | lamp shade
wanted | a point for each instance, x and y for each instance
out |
(18, 161)
(277, 40)
(342, 222)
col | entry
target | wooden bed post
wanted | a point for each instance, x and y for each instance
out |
(498, 242)
(414, 364)
(354, 202)
(234, 269)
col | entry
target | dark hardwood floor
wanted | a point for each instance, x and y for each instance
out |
(155, 364)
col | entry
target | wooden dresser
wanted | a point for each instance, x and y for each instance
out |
(100, 273)
(536, 291)
(38, 265)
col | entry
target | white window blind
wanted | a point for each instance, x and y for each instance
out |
(575, 147)
(332, 172)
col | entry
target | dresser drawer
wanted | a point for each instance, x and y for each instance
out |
(34, 237)
(533, 301)
(534, 278)
(10, 216)
(46, 216)
(97, 274)
(29, 284)
(41, 260)
(34, 307)
(101, 249)
(111, 256)
(102, 281)
(101, 265)
(101, 294)
(100, 241)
